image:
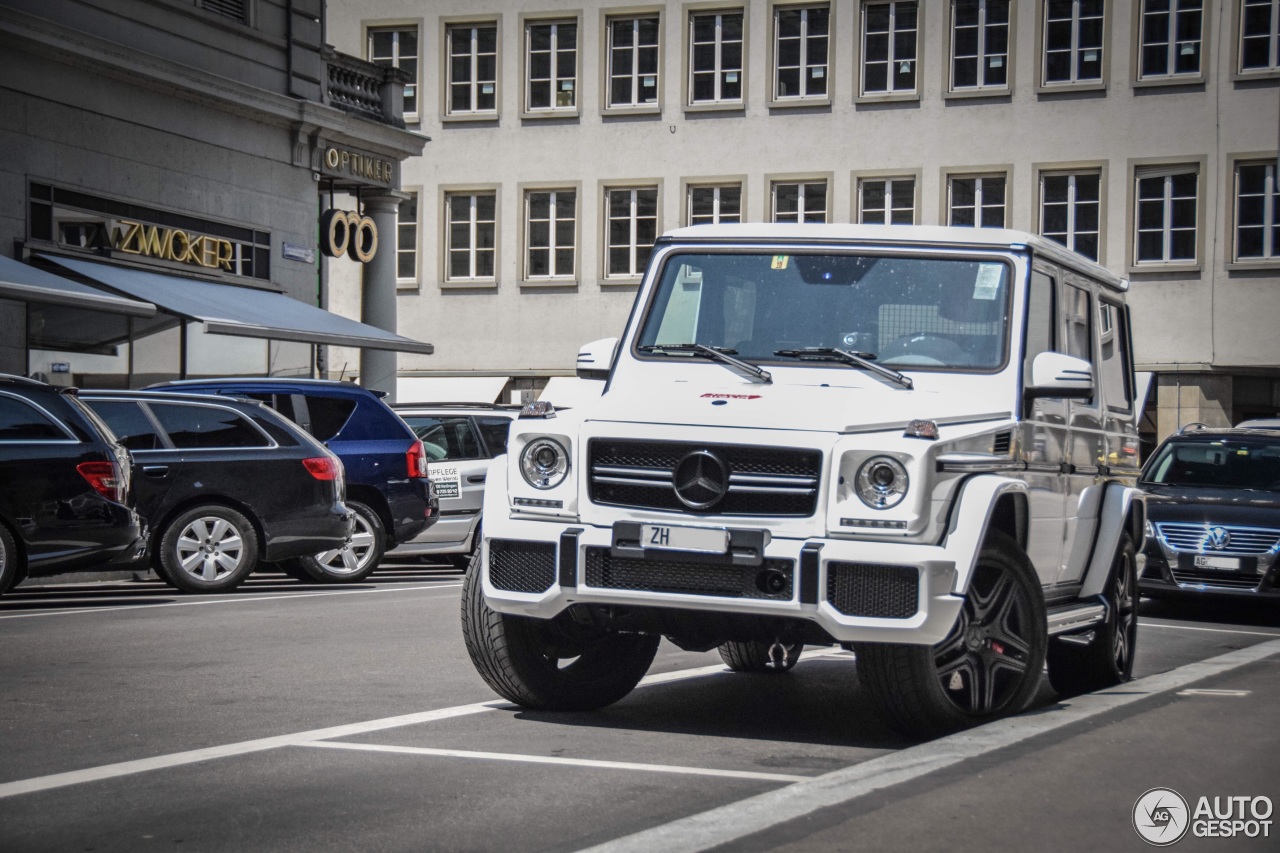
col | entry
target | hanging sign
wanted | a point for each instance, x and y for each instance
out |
(346, 232)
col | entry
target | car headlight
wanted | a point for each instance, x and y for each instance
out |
(544, 463)
(881, 482)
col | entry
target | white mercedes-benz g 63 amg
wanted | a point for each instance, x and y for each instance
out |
(916, 442)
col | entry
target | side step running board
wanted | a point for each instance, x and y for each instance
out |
(1075, 617)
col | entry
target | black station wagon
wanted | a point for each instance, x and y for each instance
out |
(224, 483)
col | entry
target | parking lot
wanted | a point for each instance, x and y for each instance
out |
(287, 716)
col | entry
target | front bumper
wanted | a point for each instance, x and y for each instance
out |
(855, 591)
(1165, 574)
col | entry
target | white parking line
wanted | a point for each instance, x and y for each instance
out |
(756, 814)
(233, 600)
(1211, 630)
(547, 759)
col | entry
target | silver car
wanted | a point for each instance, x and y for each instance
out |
(460, 439)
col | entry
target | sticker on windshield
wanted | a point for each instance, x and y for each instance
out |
(986, 286)
(446, 480)
(780, 262)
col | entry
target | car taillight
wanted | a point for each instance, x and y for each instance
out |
(105, 479)
(321, 467)
(416, 460)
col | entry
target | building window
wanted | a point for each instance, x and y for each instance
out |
(800, 52)
(407, 240)
(471, 233)
(1166, 216)
(1171, 35)
(1070, 210)
(887, 201)
(1073, 41)
(551, 226)
(633, 62)
(633, 228)
(889, 48)
(397, 47)
(473, 69)
(552, 71)
(803, 201)
(1257, 207)
(715, 205)
(715, 58)
(976, 200)
(979, 44)
(1260, 35)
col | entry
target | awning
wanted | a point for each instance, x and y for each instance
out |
(20, 281)
(449, 389)
(565, 392)
(229, 310)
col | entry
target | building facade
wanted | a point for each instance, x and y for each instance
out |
(166, 167)
(567, 135)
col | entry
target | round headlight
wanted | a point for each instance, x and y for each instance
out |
(544, 463)
(881, 482)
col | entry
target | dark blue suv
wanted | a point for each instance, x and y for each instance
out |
(386, 466)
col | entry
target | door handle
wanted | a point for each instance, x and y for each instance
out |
(155, 470)
(476, 478)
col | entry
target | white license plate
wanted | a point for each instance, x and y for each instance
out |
(705, 540)
(1222, 564)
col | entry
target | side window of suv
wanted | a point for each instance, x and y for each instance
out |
(130, 424)
(495, 431)
(196, 427)
(446, 437)
(328, 415)
(1113, 372)
(21, 422)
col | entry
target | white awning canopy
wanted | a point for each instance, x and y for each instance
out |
(449, 389)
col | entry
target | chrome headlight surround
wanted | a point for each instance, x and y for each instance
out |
(881, 482)
(544, 463)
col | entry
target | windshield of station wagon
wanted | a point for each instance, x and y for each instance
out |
(908, 312)
(1233, 463)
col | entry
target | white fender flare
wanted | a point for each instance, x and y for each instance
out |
(969, 522)
(1117, 503)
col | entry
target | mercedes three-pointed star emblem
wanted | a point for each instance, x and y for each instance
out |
(701, 479)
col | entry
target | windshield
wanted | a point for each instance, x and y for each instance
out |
(1230, 463)
(910, 312)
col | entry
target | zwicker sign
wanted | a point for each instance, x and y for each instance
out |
(343, 231)
(171, 244)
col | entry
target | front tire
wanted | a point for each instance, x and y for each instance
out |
(550, 664)
(1108, 660)
(10, 570)
(356, 559)
(760, 657)
(988, 666)
(208, 549)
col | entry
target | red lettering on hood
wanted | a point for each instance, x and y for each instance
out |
(731, 396)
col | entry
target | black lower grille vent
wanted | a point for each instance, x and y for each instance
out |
(522, 566)
(774, 579)
(867, 589)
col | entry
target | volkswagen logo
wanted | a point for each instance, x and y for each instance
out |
(701, 479)
(1219, 538)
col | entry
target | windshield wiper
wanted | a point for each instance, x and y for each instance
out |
(724, 355)
(855, 359)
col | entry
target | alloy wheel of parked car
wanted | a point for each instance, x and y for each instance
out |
(357, 557)
(208, 549)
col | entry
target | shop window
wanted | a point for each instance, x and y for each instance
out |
(632, 229)
(1070, 210)
(397, 47)
(801, 41)
(799, 201)
(889, 48)
(633, 61)
(977, 201)
(714, 204)
(551, 69)
(979, 45)
(716, 58)
(473, 70)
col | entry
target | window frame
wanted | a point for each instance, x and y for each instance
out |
(68, 437)
(688, 185)
(802, 180)
(447, 26)
(1234, 162)
(950, 90)
(413, 283)
(692, 11)
(553, 280)
(527, 23)
(858, 179)
(636, 274)
(1043, 85)
(447, 191)
(609, 17)
(1094, 167)
(776, 7)
(860, 49)
(397, 26)
(1005, 172)
(1137, 77)
(1155, 167)
(1238, 72)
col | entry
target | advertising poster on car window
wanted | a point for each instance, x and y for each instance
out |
(445, 479)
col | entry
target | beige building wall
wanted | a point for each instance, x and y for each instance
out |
(1213, 316)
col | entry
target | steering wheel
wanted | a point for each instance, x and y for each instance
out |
(924, 349)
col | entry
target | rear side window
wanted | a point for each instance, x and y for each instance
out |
(130, 424)
(1114, 369)
(21, 422)
(328, 415)
(197, 427)
(495, 431)
(446, 437)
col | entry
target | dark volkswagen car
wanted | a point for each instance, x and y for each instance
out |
(224, 483)
(386, 466)
(1213, 510)
(64, 486)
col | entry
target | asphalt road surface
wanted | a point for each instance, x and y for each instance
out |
(287, 716)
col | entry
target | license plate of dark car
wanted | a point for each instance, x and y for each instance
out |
(1222, 564)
